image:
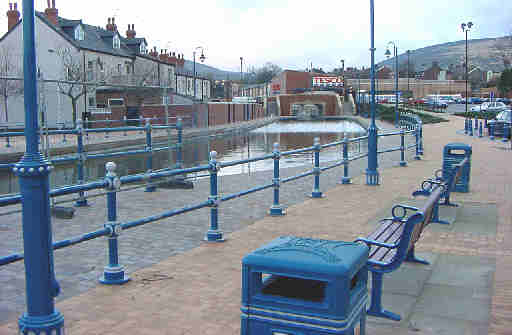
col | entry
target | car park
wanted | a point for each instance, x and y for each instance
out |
(502, 120)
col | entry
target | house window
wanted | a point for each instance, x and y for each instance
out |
(142, 48)
(166, 100)
(119, 68)
(92, 102)
(116, 102)
(117, 42)
(79, 33)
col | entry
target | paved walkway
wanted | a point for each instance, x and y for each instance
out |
(464, 291)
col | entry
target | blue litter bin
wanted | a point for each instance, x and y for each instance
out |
(453, 154)
(298, 286)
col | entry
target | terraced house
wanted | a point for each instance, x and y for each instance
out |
(73, 51)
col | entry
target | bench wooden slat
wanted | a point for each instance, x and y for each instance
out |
(381, 253)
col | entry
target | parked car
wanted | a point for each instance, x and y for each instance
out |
(437, 103)
(502, 120)
(489, 107)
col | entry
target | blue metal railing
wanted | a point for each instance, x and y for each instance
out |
(114, 273)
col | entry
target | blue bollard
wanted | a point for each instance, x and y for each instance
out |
(491, 131)
(149, 157)
(470, 127)
(113, 273)
(346, 179)
(421, 139)
(316, 170)
(214, 234)
(82, 200)
(481, 130)
(276, 209)
(402, 148)
(417, 133)
(506, 133)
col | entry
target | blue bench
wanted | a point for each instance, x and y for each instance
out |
(450, 182)
(393, 242)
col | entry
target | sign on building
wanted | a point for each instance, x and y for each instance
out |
(328, 82)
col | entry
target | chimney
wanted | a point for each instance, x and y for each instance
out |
(13, 16)
(172, 58)
(130, 33)
(52, 12)
(153, 53)
(163, 56)
(114, 26)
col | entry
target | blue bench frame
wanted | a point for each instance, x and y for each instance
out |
(450, 183)
(403, 246)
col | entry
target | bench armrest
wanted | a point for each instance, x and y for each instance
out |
(404, 208)
(377, 243)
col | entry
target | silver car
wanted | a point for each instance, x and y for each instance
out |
(495, 106)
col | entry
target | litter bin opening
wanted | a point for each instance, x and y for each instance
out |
(457, 152)
(295, 288)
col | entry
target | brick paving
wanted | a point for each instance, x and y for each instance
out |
(198, 291)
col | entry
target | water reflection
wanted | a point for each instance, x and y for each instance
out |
(233, 146)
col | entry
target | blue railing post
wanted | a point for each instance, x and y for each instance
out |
(82, 200)
(417, 133)
(7, 140)
(125, 125)
(113, 273)
(64, 140)
(214, 234)
(106, 127)
(141, 122)
(346, 179)
(316, 169)
(491, 131)
(420, 124)
(481, 130)
(41, 316)
(476, 123)
(402, 148)
(149, 157)
(466, 126)
(276, 209)
(179, 145)
(470, 127)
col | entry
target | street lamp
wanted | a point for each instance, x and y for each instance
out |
(465, 28)
(201, 58)
(372, 175)
(395, 54)
(408, 55)
(241, 76)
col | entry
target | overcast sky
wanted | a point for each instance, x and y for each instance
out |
(291, 33)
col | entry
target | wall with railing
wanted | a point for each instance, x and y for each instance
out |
(112, 184)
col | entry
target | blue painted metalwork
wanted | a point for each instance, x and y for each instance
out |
(316, 169)
(470, 127)
(276, 209)
(454, 154)
(179, 145)
(33, 171)
(506, 133)
(402, 148)
(491, 131)
(417, 135)
(214, 234)
(476, 123)
(149, 157)
(346, 179)
(304, 286)
(465, 126)
(481, 130)
(113, 273)
(372, 174)
(82, 201)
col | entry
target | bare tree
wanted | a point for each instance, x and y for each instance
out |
(75, 76)
(9, 88)
(144, 74)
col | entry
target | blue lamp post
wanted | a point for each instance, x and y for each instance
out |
(201, 58)
(465, 28)
(372, 175)
(33, 172)
(395, 54)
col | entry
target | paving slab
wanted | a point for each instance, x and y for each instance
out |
(464, 271)
(477, 218)
(455, 302)
(425, 323)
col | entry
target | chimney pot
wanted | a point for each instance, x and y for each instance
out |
(10, 6)
(48, 2)
(53, 3)
(15, 6)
